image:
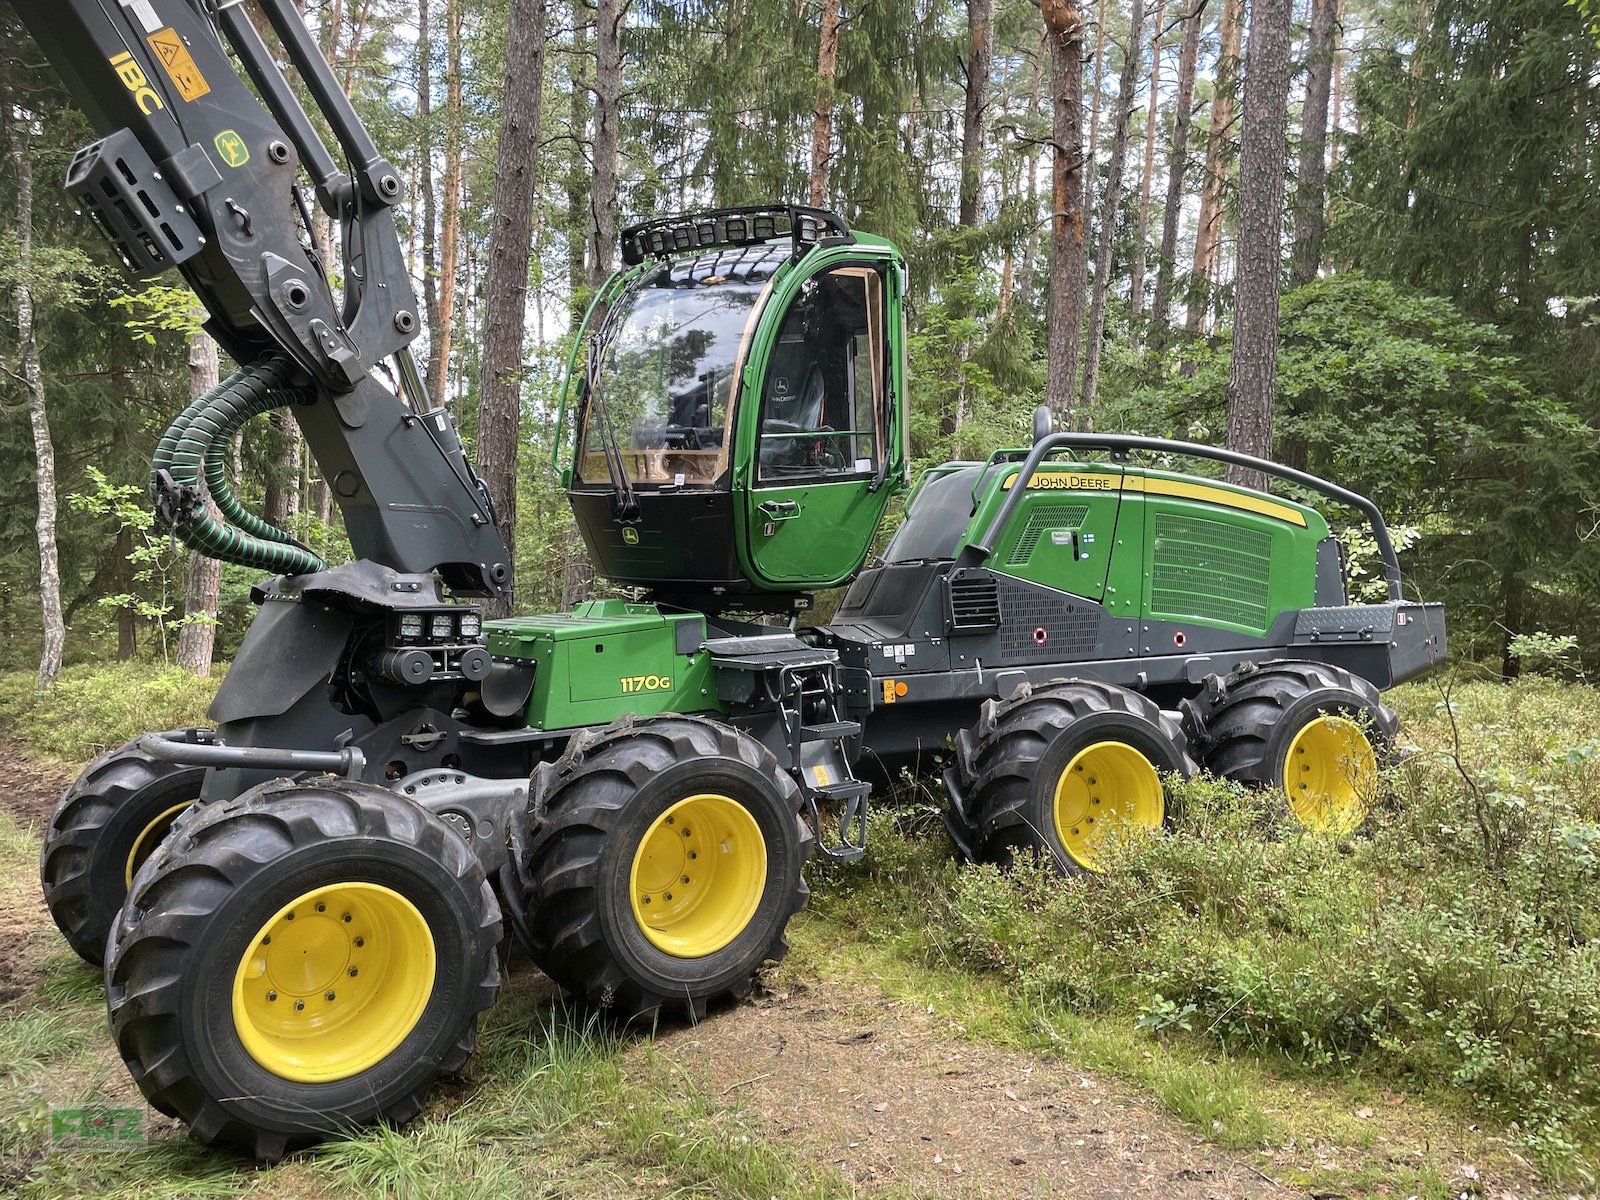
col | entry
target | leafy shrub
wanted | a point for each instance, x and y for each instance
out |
(90, 709)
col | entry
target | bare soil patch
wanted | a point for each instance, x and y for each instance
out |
(862, 1083)
(31, 789)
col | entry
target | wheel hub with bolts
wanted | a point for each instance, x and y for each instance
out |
(1105, 785)
(1330, 774)
(698, 875)
(334, 982)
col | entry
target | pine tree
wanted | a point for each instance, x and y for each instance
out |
(1110, 204)
(500, 399)
(1177, 165)
(1063, 22)
(1253, 370)
(1311, 199)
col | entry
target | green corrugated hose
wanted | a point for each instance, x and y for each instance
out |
(197, 444)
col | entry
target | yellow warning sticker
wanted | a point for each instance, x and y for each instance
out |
(889, 696)
(821, 774)
(176, 60)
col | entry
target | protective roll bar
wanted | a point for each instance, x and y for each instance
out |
(979, 549)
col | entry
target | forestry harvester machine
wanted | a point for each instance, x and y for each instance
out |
(298, 910)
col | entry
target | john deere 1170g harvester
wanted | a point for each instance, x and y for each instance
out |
(298, 909)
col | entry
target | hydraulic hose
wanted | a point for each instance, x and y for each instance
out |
(196, 445)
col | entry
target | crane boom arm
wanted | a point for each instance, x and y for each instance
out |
(195, 171)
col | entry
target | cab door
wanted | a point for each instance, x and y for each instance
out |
(820, 412)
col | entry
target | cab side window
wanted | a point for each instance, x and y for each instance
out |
(822, 401)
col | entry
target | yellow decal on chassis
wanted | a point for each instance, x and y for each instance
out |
(179, 65)
(133, 78)
(645, 683)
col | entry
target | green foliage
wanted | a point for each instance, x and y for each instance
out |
(160, 308)
(155, 559)
(90, 709)
(1452, 949)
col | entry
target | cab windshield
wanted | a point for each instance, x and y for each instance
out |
(667, 373)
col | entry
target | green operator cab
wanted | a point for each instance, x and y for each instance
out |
(740, 413)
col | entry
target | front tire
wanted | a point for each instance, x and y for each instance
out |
(104, 827)
(1054, 768)
(305, 960)
(663, 864)
(1315, 732)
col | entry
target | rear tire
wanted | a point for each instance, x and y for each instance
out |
(305, 960)
(663, 864)
(1053, 767)
(1316, 732)
(102, 830)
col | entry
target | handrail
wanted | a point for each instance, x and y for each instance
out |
(977, 551)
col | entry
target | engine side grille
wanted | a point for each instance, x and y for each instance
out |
(1211, 570)
(1041, 521)
(974, 603)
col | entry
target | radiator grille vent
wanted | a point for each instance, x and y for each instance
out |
(1040, 521)
(1211, 570)
(974, 603)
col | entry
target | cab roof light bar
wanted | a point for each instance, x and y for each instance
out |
(724, 227)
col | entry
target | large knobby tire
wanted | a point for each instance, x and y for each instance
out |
(1053, 769)
(102, 829)
(1314, 731)
(663, 864)
(300, 961)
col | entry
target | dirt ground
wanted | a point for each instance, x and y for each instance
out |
(859, 1082)
(855, 1081)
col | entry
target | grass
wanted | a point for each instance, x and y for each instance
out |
(552, 1105)
(1360, 1016)
(94, 708)
(1437, 975)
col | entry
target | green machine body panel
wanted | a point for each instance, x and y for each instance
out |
(1151, 544)
(608, 658)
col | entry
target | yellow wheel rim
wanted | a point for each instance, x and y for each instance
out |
(698, 876)
(149, 838)
(1330, 774)
(333, 982)
(1106, 784)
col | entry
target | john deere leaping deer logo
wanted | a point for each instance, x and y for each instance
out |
(232, 147)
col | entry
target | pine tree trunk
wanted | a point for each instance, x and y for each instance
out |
(1141, 240)
(198, 635)
(1208, 234)
(975, 116)
(427, 185)
(1068, 248)
(443, 321)
(1310, 196)
(607, 113)
(980, 58)
(1131, 60)
(1096, 99)
(577, 181)
(510, 242)
(281, 495)
(822, 112)
(1177, 165)
(1253, 372)
(1030, 244)
(55, 630)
